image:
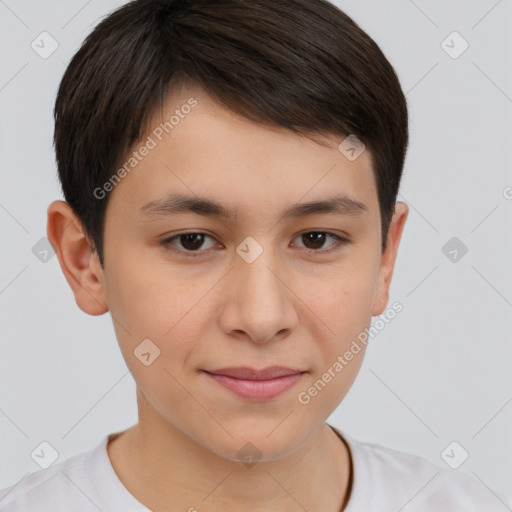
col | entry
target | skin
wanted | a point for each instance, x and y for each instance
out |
(291, 306)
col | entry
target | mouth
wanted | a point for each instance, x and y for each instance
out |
(256, 385)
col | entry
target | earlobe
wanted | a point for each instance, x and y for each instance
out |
(77, 258)
(389, 257)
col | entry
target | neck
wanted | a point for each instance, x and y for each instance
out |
(163, 467)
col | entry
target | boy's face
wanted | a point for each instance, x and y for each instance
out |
(232, 306)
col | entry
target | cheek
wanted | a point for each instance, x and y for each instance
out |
(151, 300)
(341, 305)
(347, 312)
(342, 313)
(340, 301)
(149, 294)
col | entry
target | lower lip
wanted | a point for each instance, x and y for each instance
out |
(257, 389)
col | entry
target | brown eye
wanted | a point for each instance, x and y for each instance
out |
(190, 243)
(315, 240)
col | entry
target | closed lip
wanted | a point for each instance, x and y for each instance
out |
(246, 373)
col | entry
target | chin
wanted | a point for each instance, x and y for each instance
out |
(258, 445)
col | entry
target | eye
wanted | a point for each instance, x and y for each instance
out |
(192, 242)
(314, 240)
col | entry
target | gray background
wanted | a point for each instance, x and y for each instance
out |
(439, 372)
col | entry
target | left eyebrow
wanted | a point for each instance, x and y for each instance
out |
(179, 203)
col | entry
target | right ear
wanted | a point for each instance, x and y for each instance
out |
(77, 257)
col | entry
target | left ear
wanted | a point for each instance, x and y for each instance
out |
(388, 258)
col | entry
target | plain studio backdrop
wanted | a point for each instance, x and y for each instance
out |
(436, 380)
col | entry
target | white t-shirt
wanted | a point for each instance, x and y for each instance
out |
(384, 480)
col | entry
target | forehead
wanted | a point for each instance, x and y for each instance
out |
(200, 148)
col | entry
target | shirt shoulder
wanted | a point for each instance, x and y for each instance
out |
(85, 482)
(50, 489)
(386, 479)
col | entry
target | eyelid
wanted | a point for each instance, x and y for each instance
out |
(340, 241)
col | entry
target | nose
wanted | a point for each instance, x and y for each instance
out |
(261, 305)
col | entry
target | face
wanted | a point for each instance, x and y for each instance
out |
(261, 287)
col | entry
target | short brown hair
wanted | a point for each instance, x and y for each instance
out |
(303, 65)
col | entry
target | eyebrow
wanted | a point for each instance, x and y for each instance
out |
(179, 203)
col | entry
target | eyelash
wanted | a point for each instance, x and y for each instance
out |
(167, 243)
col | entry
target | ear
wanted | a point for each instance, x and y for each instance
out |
(77, 257)
(388, 258)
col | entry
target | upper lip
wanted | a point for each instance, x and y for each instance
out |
(246, 373)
